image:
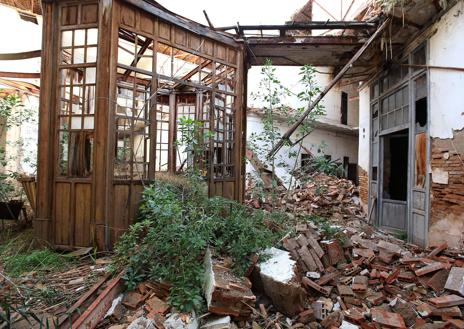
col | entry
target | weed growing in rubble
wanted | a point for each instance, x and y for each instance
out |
(272, 94)
(36, 260)
(179, 223)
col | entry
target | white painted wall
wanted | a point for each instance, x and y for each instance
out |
(338, 145)
(364, 128)
(289, 78)
(447, 86)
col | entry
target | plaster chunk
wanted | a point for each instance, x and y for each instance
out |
(280, 283)
(440, 176)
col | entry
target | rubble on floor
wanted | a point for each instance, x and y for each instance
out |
(368, 279)
(50, 295)
(323, 195)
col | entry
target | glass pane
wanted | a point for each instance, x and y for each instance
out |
(66, 38)
(76, 123)
(78, 55)
(91, 56)
(90, 75)
(88, 122)
(92, 36)
(79, 37)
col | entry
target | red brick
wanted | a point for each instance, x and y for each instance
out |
(429, 269)
(387, 318)
(447, 301)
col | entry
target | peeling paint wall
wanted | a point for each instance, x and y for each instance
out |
(446, 86)
(364, 128)
(289, 77)
(446, 222)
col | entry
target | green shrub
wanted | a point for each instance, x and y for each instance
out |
(177, 223)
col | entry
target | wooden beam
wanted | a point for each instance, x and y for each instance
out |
(182, 22)
(312, 105)
(97, 310)
(140, 53)
(314, 25)
(19, 75)
(207, 19)
(19, 56)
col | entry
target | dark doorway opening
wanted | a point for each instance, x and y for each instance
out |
(421, 113)
(395, 174)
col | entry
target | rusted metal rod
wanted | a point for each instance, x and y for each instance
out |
(332, 83)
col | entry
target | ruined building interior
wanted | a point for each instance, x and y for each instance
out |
(118, 74)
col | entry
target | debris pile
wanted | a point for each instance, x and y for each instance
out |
(368, 279)
(322, 195)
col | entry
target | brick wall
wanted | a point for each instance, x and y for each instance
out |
(363, 185)
(447, 191)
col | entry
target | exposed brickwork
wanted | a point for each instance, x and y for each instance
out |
(363, 185)
(447, 200)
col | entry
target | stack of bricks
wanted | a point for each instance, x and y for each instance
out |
(363, 187)
(305, 249)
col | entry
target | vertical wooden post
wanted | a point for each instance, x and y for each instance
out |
(102, 173)
(45, 161)
(172, 134)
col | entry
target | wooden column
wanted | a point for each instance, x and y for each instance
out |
(102, 173)
(45, 161)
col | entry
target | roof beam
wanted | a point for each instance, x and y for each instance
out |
(311, 105)
(19, 56)
(314, 25)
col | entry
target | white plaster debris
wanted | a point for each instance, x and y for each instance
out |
(115, 303)
(141, 323)
(347, 325)
(440, 176)
(218, 323)
(174, 321)
(279, 266)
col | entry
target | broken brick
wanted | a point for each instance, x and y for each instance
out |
(375, 298)
(326, 278)
(438, 249)
(392, 276)
(447, 301)
(156, 305)
(334, 252)
(424, 310)
(438, 280)
(429, 268)
(307, 258)
(344, 290)
(132, 299)
(363, 252)
(306, 316)
(359, 283)
(387, 318)
(311, 284)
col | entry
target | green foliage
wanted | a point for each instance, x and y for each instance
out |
(328, 230)
(36, 260)
(12, 114)
(273, 94)
(178, 222)
(320, 163)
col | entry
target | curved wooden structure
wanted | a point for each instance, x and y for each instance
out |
(116, 77)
